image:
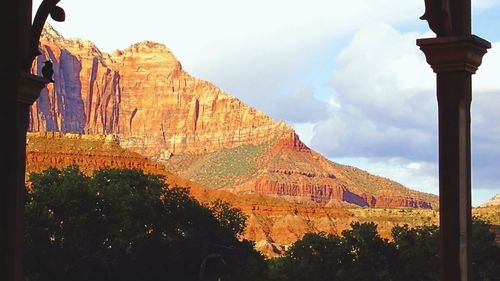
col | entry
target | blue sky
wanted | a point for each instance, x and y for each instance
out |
(346, 75)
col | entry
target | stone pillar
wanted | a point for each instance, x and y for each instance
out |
(454, 59)
(19, 90)
(15, 22)
(9, 251)
(27, 92)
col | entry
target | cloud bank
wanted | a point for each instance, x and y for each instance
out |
(383, 115)
(346, 75)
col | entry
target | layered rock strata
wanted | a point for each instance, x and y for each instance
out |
(142, 96)
(494, 201)
(272, 223)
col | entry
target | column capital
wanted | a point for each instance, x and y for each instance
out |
(454, 53)
(29, 87)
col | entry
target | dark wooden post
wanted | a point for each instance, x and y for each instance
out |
(19, 90)
(454, 56)
(15, 21)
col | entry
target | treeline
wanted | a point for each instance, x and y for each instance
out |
(124, 225)
(361, 254)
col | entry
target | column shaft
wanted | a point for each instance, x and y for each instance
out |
(454, 99)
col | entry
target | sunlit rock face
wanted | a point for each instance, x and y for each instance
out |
(495, 201)
(142, 96)
(273, 223)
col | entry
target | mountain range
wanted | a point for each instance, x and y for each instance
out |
(272, 223)
(494, 201)
(143, 99)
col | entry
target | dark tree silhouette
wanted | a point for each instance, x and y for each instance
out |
(126, 225)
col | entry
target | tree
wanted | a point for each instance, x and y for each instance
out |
(375, 258)
(126, 225)
(418, 252)
(62, 223)
(419, 259)
(317, 257)
(361, 254)
(485, 252)
(232, 219)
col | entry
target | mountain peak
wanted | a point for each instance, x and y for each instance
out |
(151, 54)
(50, 32)
(155, 108)
(149, 46)
(495, 201)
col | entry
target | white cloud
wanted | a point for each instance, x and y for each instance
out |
(301, 106)
(249, 48)
(385, 108)
(382, 67)
(262, 51)
(305, 131)
(484, 4)
(486, 79)
(422, 176)
(193, 22)
(384, 88)
(485, 125)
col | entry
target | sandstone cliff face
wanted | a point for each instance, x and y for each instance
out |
(88, 152)
(142, 96)
(495, 201)
(289, 170)
(273, 223)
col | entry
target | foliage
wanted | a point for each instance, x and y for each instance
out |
(225, 167)
(232, 219)
(316, 254)
(374, 257)
(485, 252)
(361, 254)
(418, 252)
(125, 225)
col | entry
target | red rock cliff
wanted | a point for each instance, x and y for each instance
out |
(142, 95)
(273, 223)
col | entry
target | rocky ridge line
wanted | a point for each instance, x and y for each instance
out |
(144, 97)
(273, 223)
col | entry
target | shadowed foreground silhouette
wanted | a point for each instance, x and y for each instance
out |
(126, 225)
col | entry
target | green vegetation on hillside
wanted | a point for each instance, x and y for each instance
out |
(238, 166)
(224, 168)
(375, 184)
(490, 214)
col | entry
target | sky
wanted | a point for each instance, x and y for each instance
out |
(346, 75)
